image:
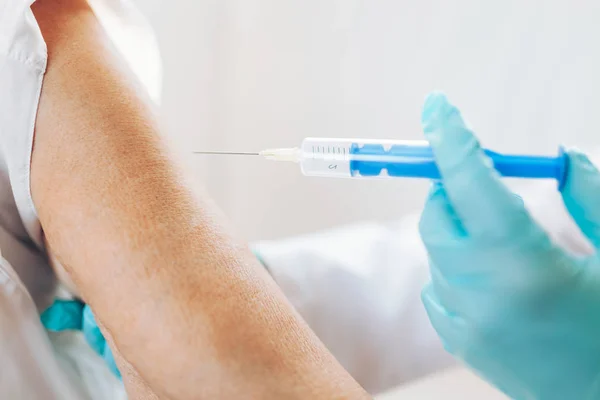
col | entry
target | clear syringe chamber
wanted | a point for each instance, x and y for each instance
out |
(374, 158)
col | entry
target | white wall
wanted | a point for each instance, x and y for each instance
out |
(249, 74)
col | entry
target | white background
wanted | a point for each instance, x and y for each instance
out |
(243, 75)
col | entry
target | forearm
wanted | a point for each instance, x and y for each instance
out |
(185, 303)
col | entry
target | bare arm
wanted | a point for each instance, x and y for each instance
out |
(185, 303)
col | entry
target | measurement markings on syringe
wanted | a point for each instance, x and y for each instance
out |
(324, 153)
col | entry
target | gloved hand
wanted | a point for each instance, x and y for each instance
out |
(504, 299)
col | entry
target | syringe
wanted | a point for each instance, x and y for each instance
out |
(372, 158)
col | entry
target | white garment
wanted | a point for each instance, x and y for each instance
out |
(29, 367)
(34, 364)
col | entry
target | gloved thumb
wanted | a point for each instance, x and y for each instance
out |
(581, 195)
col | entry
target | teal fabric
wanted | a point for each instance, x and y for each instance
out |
(94, 337)
(63, 315)
(504, 299)
(74, 315)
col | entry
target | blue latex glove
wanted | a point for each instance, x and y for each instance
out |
(74, 315)
(504, 299)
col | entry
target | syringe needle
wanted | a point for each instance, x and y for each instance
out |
(226, 153)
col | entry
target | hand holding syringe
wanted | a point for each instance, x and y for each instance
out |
(372, 158)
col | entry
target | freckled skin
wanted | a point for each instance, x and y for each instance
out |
(182, 301)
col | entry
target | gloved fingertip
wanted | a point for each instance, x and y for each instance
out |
(580, 160)
(433, 102)
(582, 174)
(445, 129)
(581, 194)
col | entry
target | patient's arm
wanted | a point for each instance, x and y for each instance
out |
(186, 304)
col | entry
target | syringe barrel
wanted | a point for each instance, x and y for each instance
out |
(326, 157)
(394, 158)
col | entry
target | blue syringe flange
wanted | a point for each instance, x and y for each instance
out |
(563, 168)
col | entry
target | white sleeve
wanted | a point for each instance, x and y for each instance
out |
(22, 67)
